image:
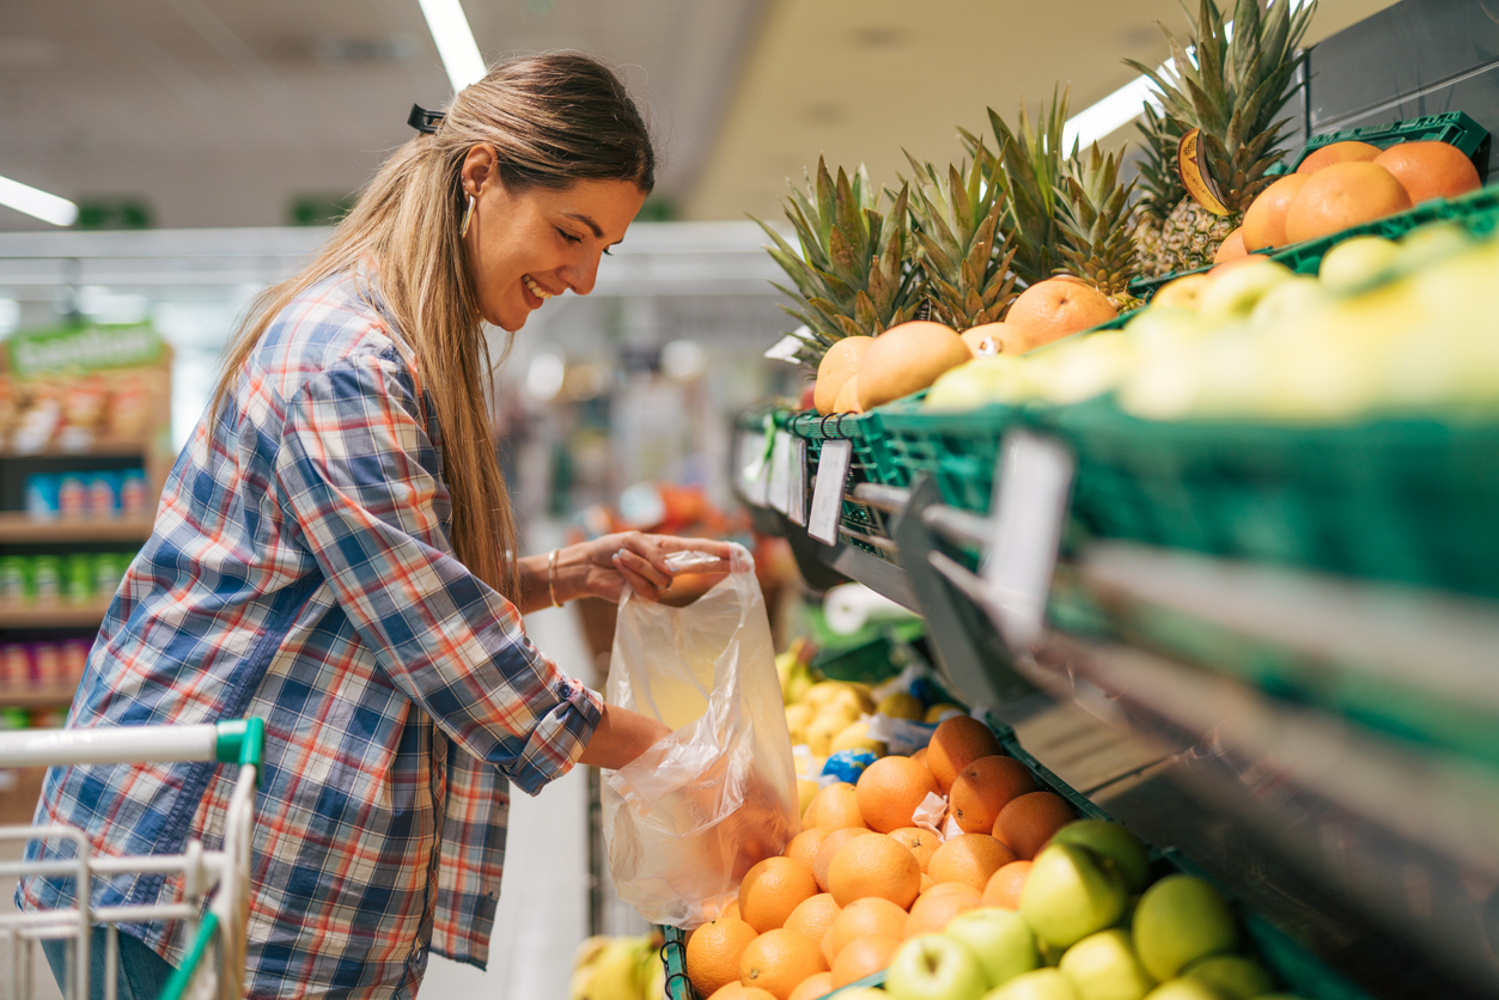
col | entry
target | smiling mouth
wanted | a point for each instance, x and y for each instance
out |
(536, 290)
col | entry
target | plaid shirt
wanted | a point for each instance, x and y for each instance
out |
(300, 566)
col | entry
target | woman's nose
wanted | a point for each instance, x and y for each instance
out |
(582, 275)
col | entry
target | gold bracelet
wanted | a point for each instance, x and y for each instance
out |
(552, 578)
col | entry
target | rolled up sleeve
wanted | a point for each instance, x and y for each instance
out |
(360, 476)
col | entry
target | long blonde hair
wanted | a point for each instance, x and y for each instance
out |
(554, 120)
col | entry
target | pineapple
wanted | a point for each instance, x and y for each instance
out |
(1162, 190)
(1232, 91)
(1096, 234)
(963, 253)
(1027, 170)
(853, 275)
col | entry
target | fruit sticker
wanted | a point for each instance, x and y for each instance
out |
(1199, 182)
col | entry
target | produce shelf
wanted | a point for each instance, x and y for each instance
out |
(22, 528)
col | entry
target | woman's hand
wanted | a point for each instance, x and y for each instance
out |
(602, 567)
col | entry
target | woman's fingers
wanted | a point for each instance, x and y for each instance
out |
(647, 580)
(722, 551)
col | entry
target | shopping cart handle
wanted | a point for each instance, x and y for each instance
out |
(240, 741)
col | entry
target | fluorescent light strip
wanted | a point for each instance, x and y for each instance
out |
(1125, 104)
(455, 41)
(37, 203)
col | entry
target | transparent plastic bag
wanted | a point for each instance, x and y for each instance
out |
(684, 821)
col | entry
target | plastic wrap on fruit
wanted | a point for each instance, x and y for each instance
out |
(847, 765)
(684, 821)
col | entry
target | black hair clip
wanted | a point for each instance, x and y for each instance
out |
(424, 121)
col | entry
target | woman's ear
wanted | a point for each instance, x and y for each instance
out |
(479, 167)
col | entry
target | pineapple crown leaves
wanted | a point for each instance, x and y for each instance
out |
(964, 255)
(1160, 180)
(1093, 214)
(1027, 170)
(1232, 89)
(849, 272)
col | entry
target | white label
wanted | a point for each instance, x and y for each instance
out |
(798, 487)
(779, 492)
(1034, 476)
(827, 495)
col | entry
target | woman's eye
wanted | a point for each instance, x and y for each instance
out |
(568, 236)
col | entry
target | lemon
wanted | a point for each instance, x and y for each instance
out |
(805, 790)
(900, 706)
(820, 733)
(856, 737)
(939, 712)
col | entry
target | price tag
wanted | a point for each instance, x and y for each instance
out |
(1034, 478)
(798, 490)
(827, 495)
(779, 491)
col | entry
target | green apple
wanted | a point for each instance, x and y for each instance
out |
(1000, 938)
(1233, 977)
(1103, 966)
(1051, 954)
(1287, 302)
(1043, 984)
(1233, 294)
(1111, 842)
(1359, 263)
(1432, 242)
(975, 383)
(1070, 894)
(1182, 989)
(935, 967)
(1181, 919)
(1185, 292)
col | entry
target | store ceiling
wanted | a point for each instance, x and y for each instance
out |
(223, 113)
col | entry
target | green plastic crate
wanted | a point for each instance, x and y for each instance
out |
(1410, 501)
(957, 448)
(1299, 970)
(869, 464)
(1454, 128)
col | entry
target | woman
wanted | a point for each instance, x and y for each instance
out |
(334, 552)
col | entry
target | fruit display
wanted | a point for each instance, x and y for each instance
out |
(618, 968)
(1386, 326)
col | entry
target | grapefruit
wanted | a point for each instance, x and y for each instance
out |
(1430, 169)
(1343, 195)
(1055, 308)
(1337, 152)
(839, 364)
(907, 358)
(1265, 222)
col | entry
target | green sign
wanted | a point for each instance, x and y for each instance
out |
(86, 348)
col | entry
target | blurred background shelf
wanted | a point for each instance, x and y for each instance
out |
(38, 697)
(54, 616)
(21, 528)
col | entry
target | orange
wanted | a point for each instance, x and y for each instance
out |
(731, 909)
(932, 913)
(772, 889)
(983, 788)
(1028, 821)
(986, 340)
(1337, 152)
(1217, 270)
(1052, 309)
(814, 986)
(970, 858)
(713, 953)
(920, 756)
(908, 357)
(957, 743)
(922, 843)
(926, 882)
(1430, 169)
(829, 848)
(1265, 221)
(847, 400)
(1343, 195)
(803, 847)
(864, 956)
(889, 791)
(738, 991)
(838, 365)
(827, 945)
(875, 866)
(777, 961)
(872, 917)
(1231, 247)
(813, 916)
(1005, 885)
(948, 889)
(837, 807)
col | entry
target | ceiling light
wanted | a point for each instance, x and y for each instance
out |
(1125, 104)
(36, 203)
(455, 41)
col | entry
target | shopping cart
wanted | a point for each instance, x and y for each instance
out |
(215, 963)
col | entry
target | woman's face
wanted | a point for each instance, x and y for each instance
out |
(526, 246)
